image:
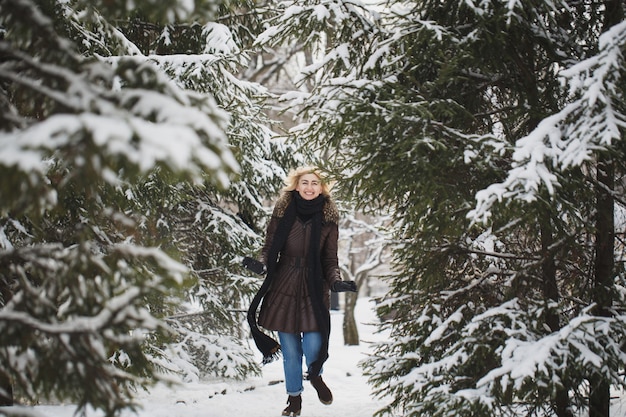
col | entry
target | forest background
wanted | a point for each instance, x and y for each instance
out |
(479, 143)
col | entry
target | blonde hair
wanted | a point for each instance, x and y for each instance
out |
(291, 182)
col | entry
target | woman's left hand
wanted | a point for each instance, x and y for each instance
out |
(343, 286)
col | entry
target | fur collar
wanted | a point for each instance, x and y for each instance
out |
(330, 211)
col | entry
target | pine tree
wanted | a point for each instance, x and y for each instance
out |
(437, 111)
(133, 179)
(214, 227)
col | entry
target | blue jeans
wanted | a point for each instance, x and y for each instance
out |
(293, 346)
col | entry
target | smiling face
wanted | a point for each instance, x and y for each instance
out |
(309, 186)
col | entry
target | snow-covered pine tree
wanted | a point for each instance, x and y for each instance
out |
(114, 157)
(586, 137)
(216, 226)
(494, 319)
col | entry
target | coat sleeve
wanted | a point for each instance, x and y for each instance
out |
(269, 237)
(330, 261)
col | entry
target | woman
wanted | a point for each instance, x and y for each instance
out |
(300, 254)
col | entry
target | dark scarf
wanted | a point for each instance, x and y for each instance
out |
(297, 206)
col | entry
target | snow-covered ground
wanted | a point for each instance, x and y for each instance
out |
(265, 396)
(262, 396)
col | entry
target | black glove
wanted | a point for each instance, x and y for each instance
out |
(253, 265)
(343, 286)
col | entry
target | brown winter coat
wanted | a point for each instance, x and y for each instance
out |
(287, 306)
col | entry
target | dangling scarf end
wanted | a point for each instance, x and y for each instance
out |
(272, 356)
(266, 345)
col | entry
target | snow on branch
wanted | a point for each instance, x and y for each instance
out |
(116, 309)
(586, 341)
(569, 138)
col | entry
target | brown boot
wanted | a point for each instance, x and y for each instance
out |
(295, 405)
(323, 393)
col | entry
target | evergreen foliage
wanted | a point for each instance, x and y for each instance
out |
(135, 163)
(136, 153)
(495, 163)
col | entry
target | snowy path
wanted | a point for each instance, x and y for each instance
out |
(257, 398)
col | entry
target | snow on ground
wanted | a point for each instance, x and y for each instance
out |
(265, 397)
(262, 396)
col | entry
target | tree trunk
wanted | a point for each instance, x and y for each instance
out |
(599, 396)
(561, 402)
(5, 388)
(350, 329)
